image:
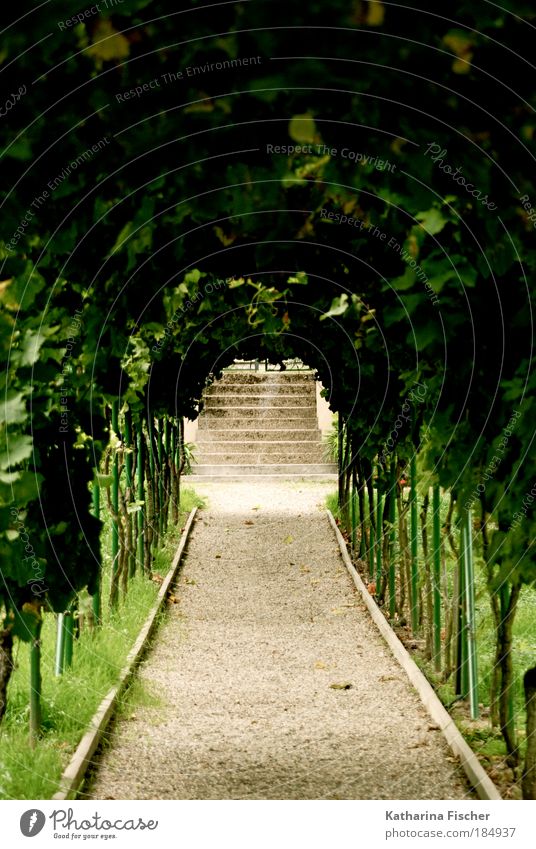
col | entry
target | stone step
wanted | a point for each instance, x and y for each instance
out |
(276, 469)
(244, 405)
(286, 417)
(245, 458)
(231, 426)
(260, 406)
(249, 399)
(265, 378)
(227, 445)
(217, 434)
(255, 424)
(277, 389)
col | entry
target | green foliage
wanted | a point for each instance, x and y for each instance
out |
(331, 442)
(70, 701)
(189, 457)
(332, 504)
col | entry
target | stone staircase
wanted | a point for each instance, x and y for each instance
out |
(261, 423)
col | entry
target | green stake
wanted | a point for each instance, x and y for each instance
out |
(96, 598)
(504, 597)
(462, 657)
(60, 646)
(68, 625)
(154, 508)
(371, 536)
(363, 522)
(436, 518)
(379, 535)
(131, 558)
(160, 446)
(173, 471)
(353, 515)
(470, 616)
(167, 448)
(35, 684)
(141, 498)
(115, 503)
(392, 539)
(414, 540)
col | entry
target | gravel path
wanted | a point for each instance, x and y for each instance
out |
(268, 620)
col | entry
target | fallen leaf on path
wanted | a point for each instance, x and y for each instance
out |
(345, 685)
(418, 744)
(320, 664)
(190, 581)
(249, 522)
(288, 539)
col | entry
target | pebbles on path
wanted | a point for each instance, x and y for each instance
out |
(272, 681)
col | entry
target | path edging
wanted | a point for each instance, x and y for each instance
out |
(75, 771)
(475, 772)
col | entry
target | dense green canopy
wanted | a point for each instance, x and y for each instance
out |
(348, 182)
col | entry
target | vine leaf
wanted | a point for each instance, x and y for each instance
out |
(405, 281)
(461, 45)
(14, 408)
(302, 129)
(431, 220)
(338, 307)
(17, 448)
(375, 13)
(107, 44)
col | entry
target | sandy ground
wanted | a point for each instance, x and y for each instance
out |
(267, 621)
